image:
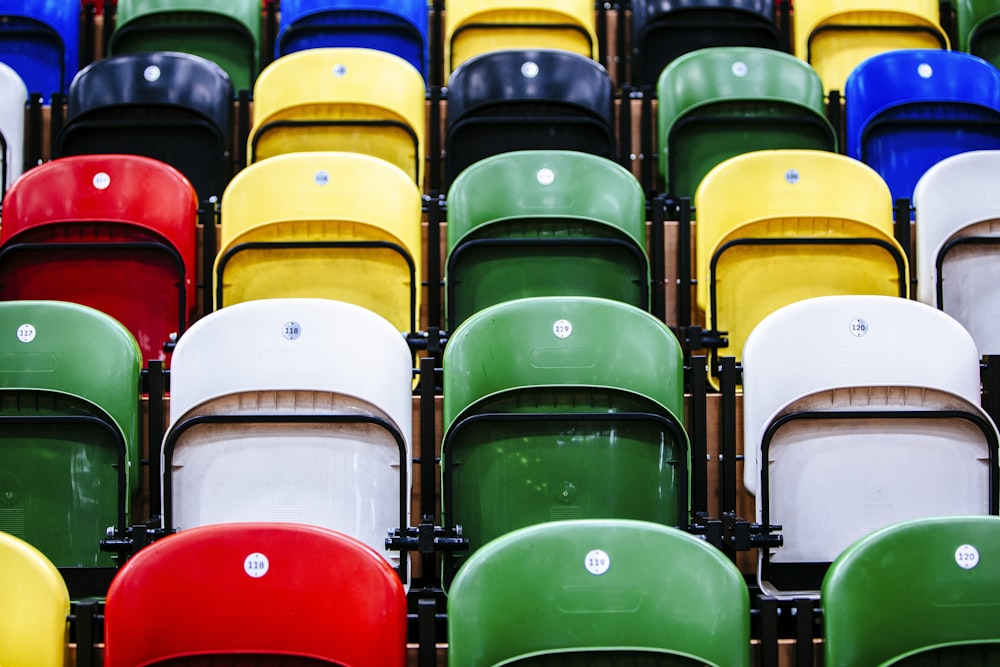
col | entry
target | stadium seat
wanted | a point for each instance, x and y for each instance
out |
(323, 99)
(977, 22)
(598, 592)
(14, 96)
(717, 103)
(877, 420)
(778, 226)
(664, 30)
(40, 40)
(114, 232)
(561, 408)
(938, 574)
(544, 223)
(317, 429)
(343, 226)
(475, 27)
(906, 110)
(173, 107)
(399, 27)
(227, 32)
(69, 449)
(256, 593)
(529, 99)
(34, 631)
(956, 208)
(835, 36)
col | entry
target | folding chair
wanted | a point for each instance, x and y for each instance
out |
(877, 420)
(561, 408)
(717, 103)
(956, 212)
(907, 110)
(976, 22)
(919, 592)
(69, 443)
(324, 99)
(598, 592)
(342, 226)
(544, 223)
(293, 410)
(173, 107)
(116, 218)
(273, 594)
(40, 40)
(13, 99)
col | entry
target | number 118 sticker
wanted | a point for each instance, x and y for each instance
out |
(256, 565)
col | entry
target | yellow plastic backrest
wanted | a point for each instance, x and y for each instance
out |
(323, 196)
(34, 631)
(470, 40)
(834, 53)
(341, 84)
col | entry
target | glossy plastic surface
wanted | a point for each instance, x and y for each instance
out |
(40, 40)
(976, 25)
(14, 96)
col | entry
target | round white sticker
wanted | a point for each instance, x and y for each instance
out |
(740, 69)
(151, 74)
(26, 333)
(597, 562)
(256, 565)
(562, 328)
(291, 330)
(925, 71)
(858, 327)
(792, 176)
(321, 177)
(546, 176)
(529, 69)
(967, 556)
(101, 180)
(339, 70)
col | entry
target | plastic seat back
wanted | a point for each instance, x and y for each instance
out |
(14, 95)
(34, 631)
(664, 30)
(976, 25)
(885, 425)
(227, 32)
(957, 240)
(938, 573)
(322, 99)
(541, 390)
(544, 223)
(573, 592)
(332, 225)
(907, 110)
(399, 27)
(835, 36)
(778, 226)
(69, 406)
(116, 217)
(721, 102)
(172, 107)
(475, 27)
(317, 430)
(304, 594)
(527, 99)
(40, 40)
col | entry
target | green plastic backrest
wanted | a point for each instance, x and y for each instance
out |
(916, 586)
(157, 25)
(735, 83)
(971, 16)
(573, 587)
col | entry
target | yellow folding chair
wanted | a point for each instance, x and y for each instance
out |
(322, 224)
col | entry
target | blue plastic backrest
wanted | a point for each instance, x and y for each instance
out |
(40, 40)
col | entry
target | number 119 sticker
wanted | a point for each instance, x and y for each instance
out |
(597, 562)
(562, 328)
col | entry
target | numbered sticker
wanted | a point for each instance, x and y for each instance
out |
(26, 333)
(545, 176)
(322, 177)
(925, 71)
(967, 556)
(562, 328)
(858, 327)
(291, 330)
(101, 180)
(256, 565)
(740, 69)
(529, 69)
(792, 176)
(151, 74)
(597, 562)
(339, 70)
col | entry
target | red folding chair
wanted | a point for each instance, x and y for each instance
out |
(114, 232)
(256, 593)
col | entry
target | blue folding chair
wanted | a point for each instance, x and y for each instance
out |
(907, 110)
(40, 39)
(394, 26)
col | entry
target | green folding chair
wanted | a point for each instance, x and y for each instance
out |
(601, 593)
(69, 433)
(227, 32)
(544, 222)
(919, 593)
(561, 408)
(717, 103)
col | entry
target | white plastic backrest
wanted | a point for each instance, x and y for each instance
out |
(849, 341)
(294, 344)
(954, 193)
(13, 98)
